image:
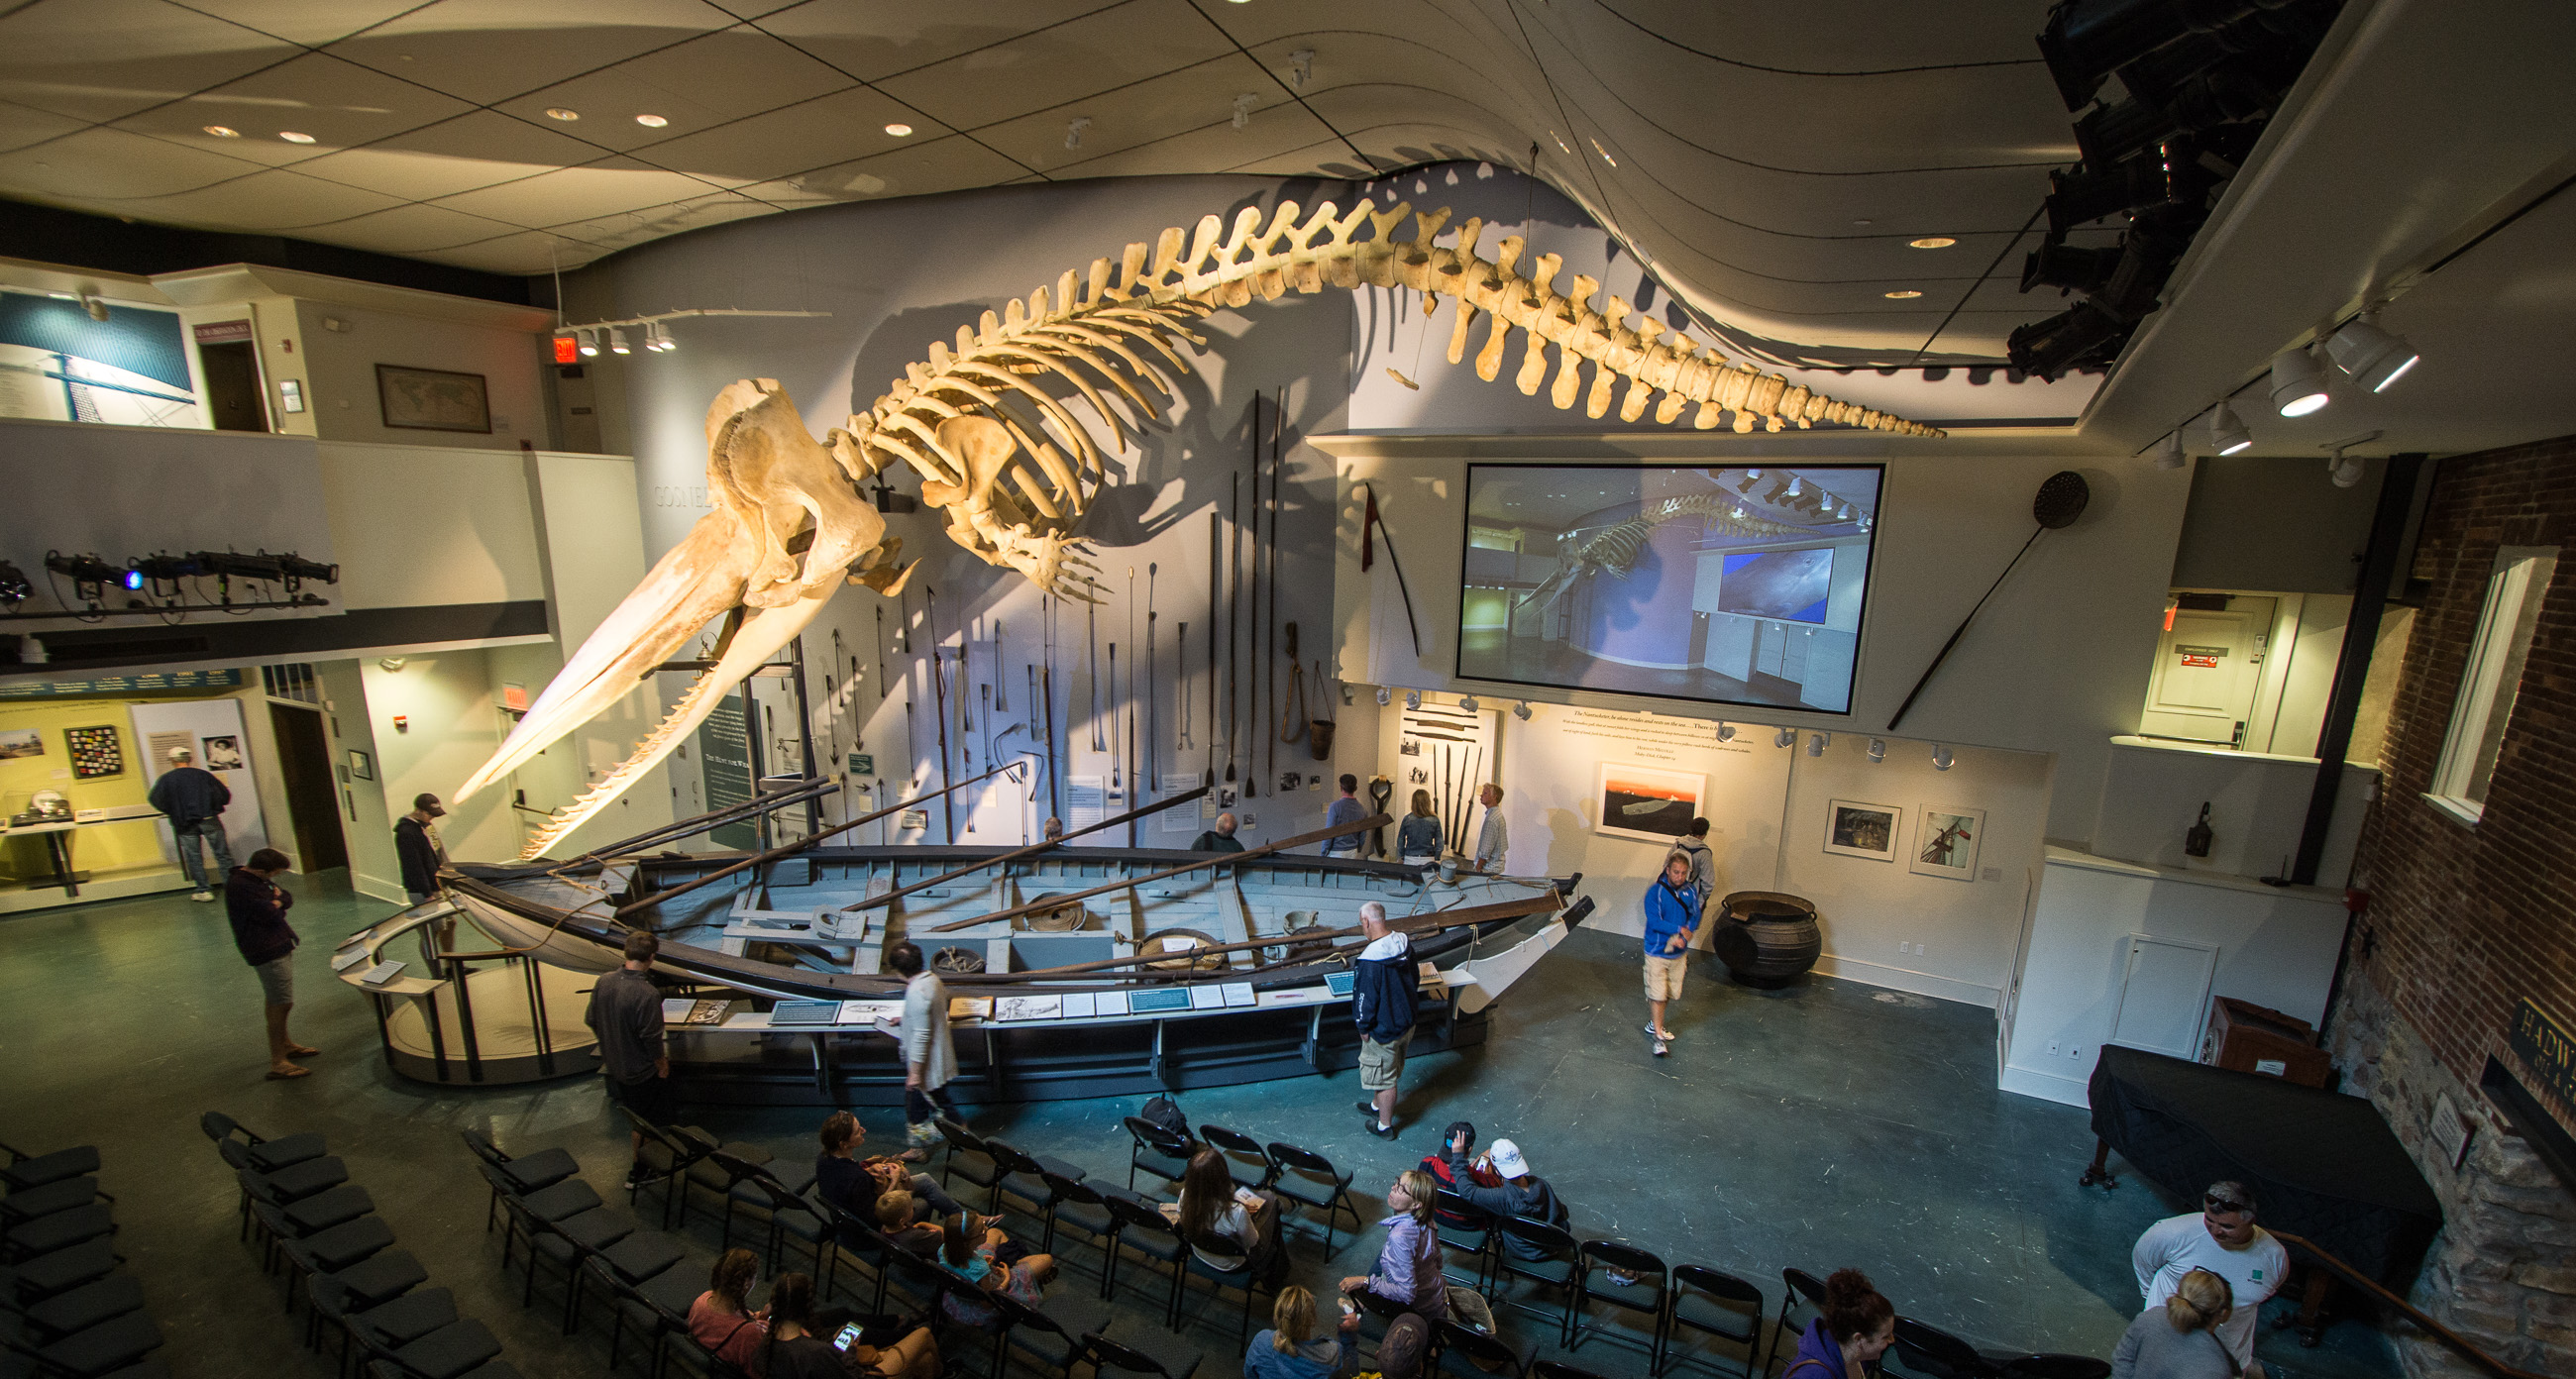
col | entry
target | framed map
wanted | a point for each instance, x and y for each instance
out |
(433, 399)
(95, 752)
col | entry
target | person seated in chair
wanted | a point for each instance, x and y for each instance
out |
(799, 1345)
(1408, 1265)
(721, 1319)
(997, 1264)
(854, 1184)
(1210, 1203)
(898, 1216)
(1295, 1348)
(1857, 1327)
(1520, 1193)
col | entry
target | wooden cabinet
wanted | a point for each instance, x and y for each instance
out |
(2257, 1039)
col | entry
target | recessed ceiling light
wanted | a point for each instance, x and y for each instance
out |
(1931, 242)
(557, 112)
(899, 129)
(1903, 294)
(1605, 153)
(292, 137)
(223, 131)
(648, 121)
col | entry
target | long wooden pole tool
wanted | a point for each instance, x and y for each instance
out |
(1426, 924)
(1371, 521)
(1232, 859)
(939, 691)
(1033, 849)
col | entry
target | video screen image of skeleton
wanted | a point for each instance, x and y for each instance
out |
(1734, 585)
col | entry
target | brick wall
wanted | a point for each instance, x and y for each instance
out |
(2466, 921)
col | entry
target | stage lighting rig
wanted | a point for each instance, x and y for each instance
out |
(14, 586)
(162, 569)
(300, 571)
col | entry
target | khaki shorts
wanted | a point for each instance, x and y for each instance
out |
(1664, 977)
(277, 980)
(1381, 1064)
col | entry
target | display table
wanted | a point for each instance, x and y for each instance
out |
(517, 1021)
(58, 839)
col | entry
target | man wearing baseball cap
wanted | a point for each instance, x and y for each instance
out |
(1521, 1192)
(417, 844)
(195, 799)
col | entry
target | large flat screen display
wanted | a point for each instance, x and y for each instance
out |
(1728, 585)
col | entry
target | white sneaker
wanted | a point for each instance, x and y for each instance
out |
(203, 895)
(1662, 1049)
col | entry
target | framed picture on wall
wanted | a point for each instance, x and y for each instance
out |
(361, 765)
(433, 399)
(1945, 841)
(1856, 829)
(95, 752)
(1648, 803)
(21, 742)
(221, 753)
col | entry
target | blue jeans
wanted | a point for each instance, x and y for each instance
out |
(212, 831)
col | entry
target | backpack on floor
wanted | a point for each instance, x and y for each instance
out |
(1163, 1113)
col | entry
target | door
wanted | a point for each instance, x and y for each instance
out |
(2209, 666)
(312, 787)
(2164, 995)
(233, 393)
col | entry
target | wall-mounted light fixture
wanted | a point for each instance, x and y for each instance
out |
(1941, 758)
(1784, 737)
(1877, 749)
(1818, 742)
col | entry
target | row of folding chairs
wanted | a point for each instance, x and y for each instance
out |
(320, 1232)
(1295, 1174)
(66, 1309)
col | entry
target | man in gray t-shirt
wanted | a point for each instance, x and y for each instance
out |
(626, 1014)
(1346, 810)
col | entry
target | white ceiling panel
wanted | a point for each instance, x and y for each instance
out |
(274, 200)
(870, 39)
(942, 165)
(1147, 112)
(1084, 57)
(487, 51)
(415, 229)
(526, 252)
(653, 222)
(312, 23)
(605, 187)
(102, 168)
(479, 149)
(340, 104)
(811, 135)
(696, 86)
(21, 125)
(99, 59)
(1218, 145)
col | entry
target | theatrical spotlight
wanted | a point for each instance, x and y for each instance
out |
(1521, 711)
(2371, 355)
(2067, 268)
(1784, 737)
(2081, 197)
(89, 575)
(14, 587)
(2226, 434)
(161, 569)
(235, 565)
(589, 343)
(300, 571)
(2298, 385)
(2170, 454)
(2047, 349)
(2343, 471)
(1941, 758)
(617, 342)
(1877, 749)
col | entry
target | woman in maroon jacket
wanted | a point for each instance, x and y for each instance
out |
(257, 906)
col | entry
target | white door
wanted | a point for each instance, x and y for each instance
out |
(2209, 666)
(2164, 992)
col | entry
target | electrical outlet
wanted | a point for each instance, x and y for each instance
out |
(2052, 1048)
(1900, 945)
(2075, 1052)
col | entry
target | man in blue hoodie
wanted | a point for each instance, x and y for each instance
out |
(1672, 918)
(1382, 1006)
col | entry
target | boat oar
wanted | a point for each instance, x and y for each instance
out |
(786, 849)
(1215, 864)
(1016, 854)
(1430, 923)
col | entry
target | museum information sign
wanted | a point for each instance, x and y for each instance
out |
(724, 763)
(119, 686)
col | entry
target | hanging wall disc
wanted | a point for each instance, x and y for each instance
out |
(2061, 499)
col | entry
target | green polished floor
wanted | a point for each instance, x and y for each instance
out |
(1818, 1127)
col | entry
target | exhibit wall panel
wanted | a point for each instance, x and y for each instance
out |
(346, 405)
(374, 869)
(2258, 808)
(2057, 662)
(2276, 948)
(1874, 912)
(34, 756)
(899, 274)
(204, 726)
(429, 526)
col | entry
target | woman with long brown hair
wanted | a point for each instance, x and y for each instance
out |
(721, 1319)
(1208, 1203)
(1857, 1327)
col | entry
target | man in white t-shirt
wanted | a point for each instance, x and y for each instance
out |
(2222, 1238)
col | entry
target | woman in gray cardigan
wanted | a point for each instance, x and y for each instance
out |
(2179, 1340)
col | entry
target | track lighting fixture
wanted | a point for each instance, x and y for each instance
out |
(1784, 737)
(1941, 758)
(2227, 435)
(1301, 67)
(1413, 699)
(2169, 455)
(1521, 711)
(95, 305)
(617, 342)
(1877, 749)
(1073, 132)
(1725, 731)
(1467, 702)
(1845, 514)
(1795, 486)
(2298, 385)
(1385, 696)
(1818, 742)
(2343, 471)
(1244, 105)
(589, 342)
(2372, 356)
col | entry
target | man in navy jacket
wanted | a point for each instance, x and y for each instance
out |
(1382, 1006)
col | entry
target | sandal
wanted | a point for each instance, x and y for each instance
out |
(286, 1074)
(302, 1051)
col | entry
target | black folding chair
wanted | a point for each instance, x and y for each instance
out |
(1245, 1160)
(1223, 1262)
(107, 1348)
(718, 1170)
(624, 1266)
(1556, 1267)
(1796, 1286)
(667, 1157)
(1466, 1353)
(527, 1172)
(1644, 1296)
(1024, 1176)
(1051, 1334)
(1556, 1369)
(62, 1194)
(1929, 1351)
(1309, 1179)
(1141, 1228)
(379, 1329)
(1157, 1151)
(1081, 1209)
(972, 1159)
(266, 1155)
(26, 1170)
(1140, 1355)
(1718, 1304)
(1464, 1227)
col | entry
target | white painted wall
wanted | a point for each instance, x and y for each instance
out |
(453, 725)
(431, 525)
(342, 366)
(245, 824)
(2258, 808)
(2276, 948)
(373, 868)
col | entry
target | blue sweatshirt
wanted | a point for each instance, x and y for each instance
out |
(1670, 911)
(1320, 1358)
(1382, 989)
(1817, 1345)
(189, 795)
